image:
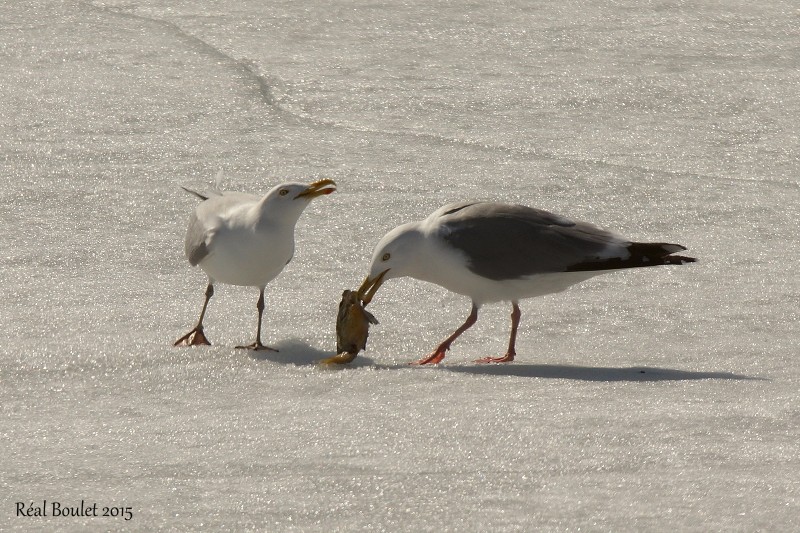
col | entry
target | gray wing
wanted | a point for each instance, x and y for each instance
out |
(195, 243)
(504, 241)
(206, 219)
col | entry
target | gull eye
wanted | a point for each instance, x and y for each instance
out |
(284, 192)
(386, 256)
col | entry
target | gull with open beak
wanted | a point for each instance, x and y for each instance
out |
(242, 239)
(495, 252)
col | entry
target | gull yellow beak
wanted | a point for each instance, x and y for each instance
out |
(370, 287)
(318, 188)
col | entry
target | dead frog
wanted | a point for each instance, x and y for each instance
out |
(352, 329)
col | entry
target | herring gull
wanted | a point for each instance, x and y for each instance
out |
(243, 239)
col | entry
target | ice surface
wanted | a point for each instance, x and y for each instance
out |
(662, 399)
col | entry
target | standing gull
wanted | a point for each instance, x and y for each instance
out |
(242, 239)
(495, 252)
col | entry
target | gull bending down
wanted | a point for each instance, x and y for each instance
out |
(242, 239)
(494, 252)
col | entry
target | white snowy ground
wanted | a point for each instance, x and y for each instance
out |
(661, 399)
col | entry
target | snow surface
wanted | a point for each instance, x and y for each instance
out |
(662, 399)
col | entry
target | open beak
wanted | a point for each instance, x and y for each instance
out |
(318, 188)
(370, 287)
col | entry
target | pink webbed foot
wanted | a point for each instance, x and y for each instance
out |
(433, 359)
(507, 358)
(196, 337)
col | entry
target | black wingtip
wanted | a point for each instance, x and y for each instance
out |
(679, 260)
(659, 253)
(199, 195)
(642, 254)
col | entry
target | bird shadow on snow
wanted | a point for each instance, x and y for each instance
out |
(299, 353)
(589, 373)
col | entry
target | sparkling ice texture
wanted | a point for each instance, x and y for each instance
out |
(664, 399)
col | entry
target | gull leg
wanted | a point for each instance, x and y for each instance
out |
(196, 336)
(512, 340)
(257, 345)
(439, 352)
